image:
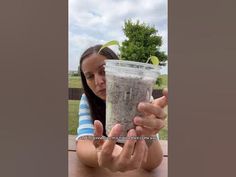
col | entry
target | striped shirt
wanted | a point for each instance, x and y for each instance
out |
(85, 121)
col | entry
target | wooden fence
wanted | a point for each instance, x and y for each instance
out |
(75, 93)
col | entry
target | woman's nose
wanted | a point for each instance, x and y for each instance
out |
(99, 79)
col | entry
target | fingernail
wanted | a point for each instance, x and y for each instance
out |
(95, 122)
(131, 132)
(119, 127)
(138, 130)
(138, 120)
(116, 126)
(141, 105)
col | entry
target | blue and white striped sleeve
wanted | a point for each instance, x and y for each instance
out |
(85, 121)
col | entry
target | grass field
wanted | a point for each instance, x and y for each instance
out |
(73, 107)
(74, 82)
(73, 120)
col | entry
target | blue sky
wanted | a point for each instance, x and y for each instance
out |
(98, 21)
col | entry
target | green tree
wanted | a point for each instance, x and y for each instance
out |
(142, 42)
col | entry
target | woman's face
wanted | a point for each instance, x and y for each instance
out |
(93, 69)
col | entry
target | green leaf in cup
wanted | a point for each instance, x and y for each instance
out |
(154, 60)
(113, 42)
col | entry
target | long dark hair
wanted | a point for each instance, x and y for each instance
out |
(96, 104)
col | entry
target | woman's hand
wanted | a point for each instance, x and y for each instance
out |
(114, 157)
(153, 120)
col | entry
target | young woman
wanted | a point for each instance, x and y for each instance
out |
(94, 152)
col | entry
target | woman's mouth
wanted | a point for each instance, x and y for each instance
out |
(102, 91)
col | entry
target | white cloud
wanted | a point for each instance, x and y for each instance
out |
(93, 21)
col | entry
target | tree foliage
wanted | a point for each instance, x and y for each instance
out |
(141, 43)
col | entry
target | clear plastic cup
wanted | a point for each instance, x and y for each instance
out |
(127, 84)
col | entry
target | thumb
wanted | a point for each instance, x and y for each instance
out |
(165, 93)
(161, 102)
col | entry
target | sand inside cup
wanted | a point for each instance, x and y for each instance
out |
(127, 84)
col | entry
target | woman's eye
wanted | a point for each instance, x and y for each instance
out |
(102, 71)
(88, 77)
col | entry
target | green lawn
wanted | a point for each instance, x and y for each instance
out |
(73, 106)
(73, 120)
(74, 82)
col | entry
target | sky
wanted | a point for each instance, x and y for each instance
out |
(94, 22)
